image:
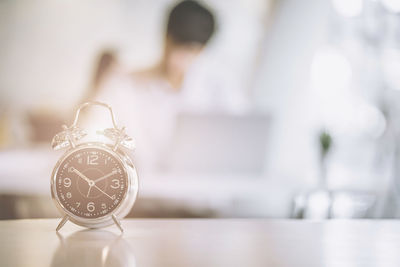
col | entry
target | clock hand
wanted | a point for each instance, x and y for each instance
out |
(105, 176)
(90, 182)
(81, 175)
(102, 191)
(90, 188)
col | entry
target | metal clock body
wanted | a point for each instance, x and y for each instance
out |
(110, 187)
(94, 184)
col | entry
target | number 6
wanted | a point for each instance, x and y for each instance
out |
(90, 207)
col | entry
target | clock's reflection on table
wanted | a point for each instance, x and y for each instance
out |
(203, 242)
(93, 248)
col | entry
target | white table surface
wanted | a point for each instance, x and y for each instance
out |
(188, 242)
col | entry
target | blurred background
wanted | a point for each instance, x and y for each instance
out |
(264, 108)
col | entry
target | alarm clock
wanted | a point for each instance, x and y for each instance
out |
(94, 184)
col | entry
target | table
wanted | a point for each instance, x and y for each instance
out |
(202, 242)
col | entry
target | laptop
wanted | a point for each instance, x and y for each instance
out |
(218, 144)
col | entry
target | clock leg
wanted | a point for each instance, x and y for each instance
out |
(118, 223)
(63, 221)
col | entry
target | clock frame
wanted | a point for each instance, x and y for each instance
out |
(94, 178)
(123, 206)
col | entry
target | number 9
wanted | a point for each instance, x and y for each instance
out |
(67, 182)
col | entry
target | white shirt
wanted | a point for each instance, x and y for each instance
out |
(148, 110)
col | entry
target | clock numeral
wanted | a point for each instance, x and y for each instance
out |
(69, 195)
(90, 207)
(92, 159)
(115, 184)
(103, 206)
(67, 182)
(78, 204)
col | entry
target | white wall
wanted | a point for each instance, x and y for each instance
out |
(282, 87)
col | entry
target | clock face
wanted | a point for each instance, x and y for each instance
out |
(91, 183)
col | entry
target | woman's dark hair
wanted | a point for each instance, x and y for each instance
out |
(190, 22)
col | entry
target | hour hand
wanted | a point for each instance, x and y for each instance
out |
(72, 169)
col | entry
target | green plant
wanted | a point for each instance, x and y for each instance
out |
(325, 141)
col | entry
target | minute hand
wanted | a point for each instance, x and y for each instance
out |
(103, 191)
(105, 176)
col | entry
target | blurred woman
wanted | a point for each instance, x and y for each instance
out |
(148, 101)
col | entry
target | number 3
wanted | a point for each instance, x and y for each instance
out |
(116, 183)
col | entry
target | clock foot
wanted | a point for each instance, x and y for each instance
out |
(63, 221)
(118, 223)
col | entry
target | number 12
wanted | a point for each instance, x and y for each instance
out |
(92, 160)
